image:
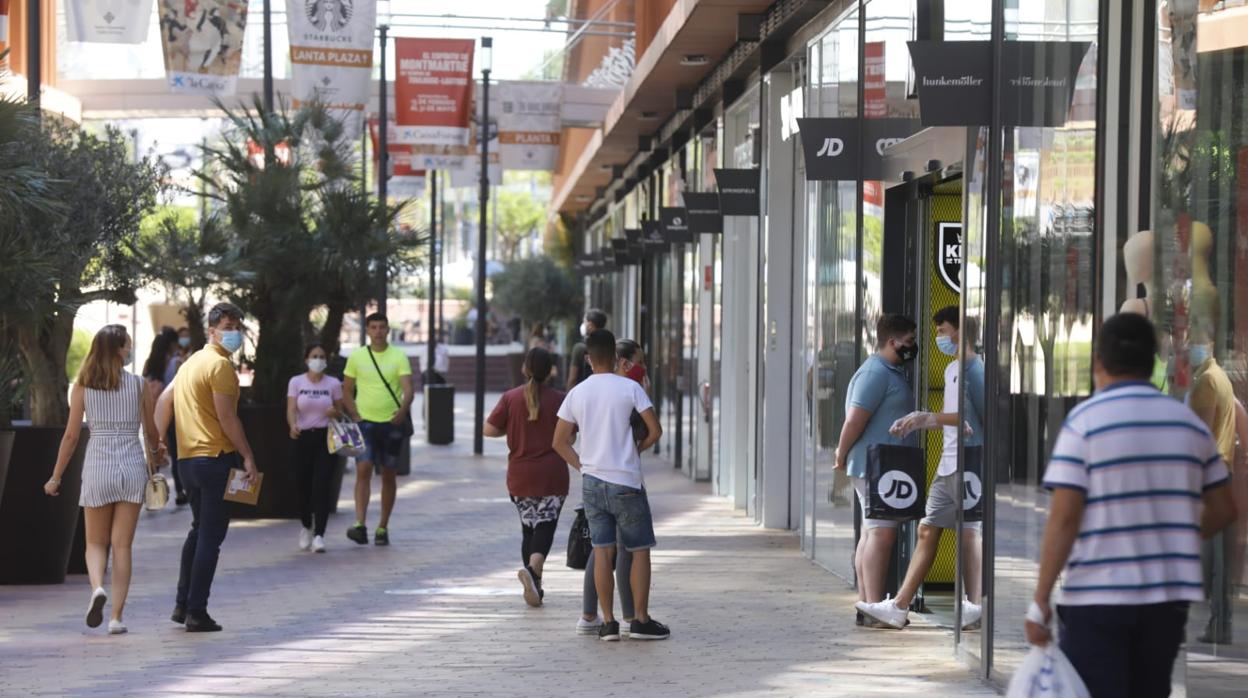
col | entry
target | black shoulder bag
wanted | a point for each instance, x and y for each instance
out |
(408, 429)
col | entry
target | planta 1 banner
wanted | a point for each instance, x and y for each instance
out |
(433, 90)
(203, 44)
(108, 21)
(331, 53)
(529, 124)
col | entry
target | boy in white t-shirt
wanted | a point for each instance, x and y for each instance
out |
(613, 492)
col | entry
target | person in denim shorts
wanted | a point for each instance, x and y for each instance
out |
(613, 490)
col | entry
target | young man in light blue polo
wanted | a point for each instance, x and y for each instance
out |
(879, 394)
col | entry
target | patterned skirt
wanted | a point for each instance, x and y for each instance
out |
(536, 510)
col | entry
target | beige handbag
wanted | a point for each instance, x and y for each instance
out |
(156, 494)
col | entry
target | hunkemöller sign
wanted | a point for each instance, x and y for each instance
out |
(433, 90)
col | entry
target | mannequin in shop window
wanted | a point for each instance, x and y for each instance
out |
(1137, 259)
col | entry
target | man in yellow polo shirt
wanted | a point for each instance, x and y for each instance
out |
(204, 399)
(377, 392)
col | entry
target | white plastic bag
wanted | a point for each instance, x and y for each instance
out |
(1046, 672)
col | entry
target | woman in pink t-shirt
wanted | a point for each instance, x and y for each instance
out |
(312, 399)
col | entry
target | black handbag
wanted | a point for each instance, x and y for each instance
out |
(895, 479)
(579, 545)
(973, 483)
(408, 429)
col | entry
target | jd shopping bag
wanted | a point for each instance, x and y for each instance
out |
(973, 484)
(895, 479)
(579, 545)
(1046, 673)
(345, 438)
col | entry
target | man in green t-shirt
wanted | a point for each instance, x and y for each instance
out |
(377, 392)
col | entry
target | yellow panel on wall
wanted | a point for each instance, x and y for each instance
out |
(945, 208)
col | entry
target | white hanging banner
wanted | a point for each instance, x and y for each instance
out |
(469, 173)
(108, 21)
(331, 53)
(203, 42)
(529, 124)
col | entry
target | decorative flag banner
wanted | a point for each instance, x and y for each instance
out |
(874, 82)
(529, 125)
(4, 27)
(406, 180)
(433, 90)
(331, 53)
(108, 21)
(203, 41)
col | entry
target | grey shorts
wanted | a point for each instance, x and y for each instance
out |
(942, 506)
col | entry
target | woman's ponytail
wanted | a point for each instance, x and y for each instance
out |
(538, 364)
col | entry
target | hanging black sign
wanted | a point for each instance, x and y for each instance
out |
(833, 152)
(675, 225)
(954, 81)
(633, 235)
(652, 238)
(704, 213)
(623, 252)
(738, 192)
(949, 254)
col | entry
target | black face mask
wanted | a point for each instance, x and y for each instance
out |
(907, 352)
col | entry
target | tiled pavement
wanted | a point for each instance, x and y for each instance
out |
(439, 612)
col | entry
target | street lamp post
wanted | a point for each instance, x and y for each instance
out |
(383, 176)
(268, 58)
(483, 200)
(433, 270)
(34, 50)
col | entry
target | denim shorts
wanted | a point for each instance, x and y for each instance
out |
(608, 506)
(383, 443)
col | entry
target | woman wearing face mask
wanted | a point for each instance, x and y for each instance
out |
(158, 371)
(116, 466)
(312, 399)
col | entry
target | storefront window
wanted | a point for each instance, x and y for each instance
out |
(1196, 287)
(1046, 305)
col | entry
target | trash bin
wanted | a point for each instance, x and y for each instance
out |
(440, 413)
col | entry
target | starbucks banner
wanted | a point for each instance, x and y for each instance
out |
(331, 53)
(203, 44)
(108, 21)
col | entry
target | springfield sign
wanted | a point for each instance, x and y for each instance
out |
(433, 92)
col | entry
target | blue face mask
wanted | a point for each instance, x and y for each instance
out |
(232, 340)
(946, 345)
(184, 342)
(1197, 354)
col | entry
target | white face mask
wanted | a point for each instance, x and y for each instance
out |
(317, 365)
(584, 329)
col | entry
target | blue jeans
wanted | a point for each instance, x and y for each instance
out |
(384, 443)
(609, 506)
(205, 479)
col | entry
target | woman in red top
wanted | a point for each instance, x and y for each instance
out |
(537, 478)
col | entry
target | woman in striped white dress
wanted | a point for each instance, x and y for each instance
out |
(116, 466)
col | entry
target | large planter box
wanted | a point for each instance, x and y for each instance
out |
(39, 529)
(6, 446)
(270, 441)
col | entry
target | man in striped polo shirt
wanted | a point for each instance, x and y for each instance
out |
(1137, 481)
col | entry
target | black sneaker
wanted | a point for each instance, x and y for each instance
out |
(649, 630)
(859, 619)
(359, 534)
(179, 614)
(201, 623)
(180, 499)
(381, 536)
(609, 632)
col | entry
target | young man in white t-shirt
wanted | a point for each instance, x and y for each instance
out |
(613, 491)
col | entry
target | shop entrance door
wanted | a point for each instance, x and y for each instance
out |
(921, 274)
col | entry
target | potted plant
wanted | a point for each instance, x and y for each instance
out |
(79, 230)
(300, 236)
(539, 291)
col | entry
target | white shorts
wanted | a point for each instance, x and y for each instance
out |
(860, 487)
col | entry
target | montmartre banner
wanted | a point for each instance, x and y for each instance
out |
(108, 21)
(203, 43)
(433, 90)
(529, 124)
(331, 53)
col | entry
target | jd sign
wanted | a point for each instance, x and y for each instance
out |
(832, 149)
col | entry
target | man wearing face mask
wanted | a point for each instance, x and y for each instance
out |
(942, 500)
(579, 368)
(879, 394)
(210, 438)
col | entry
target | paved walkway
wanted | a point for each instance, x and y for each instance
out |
(439, 613)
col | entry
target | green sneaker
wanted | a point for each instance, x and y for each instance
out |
(381, 536)
(358, 533)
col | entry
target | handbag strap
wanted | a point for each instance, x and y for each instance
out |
(377, 366)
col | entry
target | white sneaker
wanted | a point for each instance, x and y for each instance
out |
(971, 614)
(305, 539)
(116, 627)
(318, 544)
(95, 607)
(588, 627)
(885, 611)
